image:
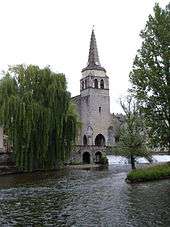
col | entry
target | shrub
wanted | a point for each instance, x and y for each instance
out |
(104, 160)
(151, 173)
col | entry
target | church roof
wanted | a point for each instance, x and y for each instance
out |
(93, 60)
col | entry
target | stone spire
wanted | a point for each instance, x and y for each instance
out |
(93, 60)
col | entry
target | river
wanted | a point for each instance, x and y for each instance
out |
(92, 197)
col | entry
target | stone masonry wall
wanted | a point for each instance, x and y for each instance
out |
(78, 151)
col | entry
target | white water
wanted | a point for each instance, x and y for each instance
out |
(117, 160)
(161, 158)
(124, 161)
(142, 160)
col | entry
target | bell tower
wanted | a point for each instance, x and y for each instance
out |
(95, 101)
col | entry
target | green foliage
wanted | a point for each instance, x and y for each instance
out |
(104, 160)
(150, 76)
(133, 135)
(36, 113)
(75, 162)
(150, 173)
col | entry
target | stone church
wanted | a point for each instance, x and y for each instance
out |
(98, 129)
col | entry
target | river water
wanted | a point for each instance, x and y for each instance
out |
(92, 197)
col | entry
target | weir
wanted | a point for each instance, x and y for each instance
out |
(120, 160)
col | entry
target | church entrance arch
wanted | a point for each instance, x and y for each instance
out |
(100, 140)
(98, 156)
(86, 158)
(85, 140)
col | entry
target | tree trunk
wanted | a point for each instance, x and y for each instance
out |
(132, 160)
(169, 149)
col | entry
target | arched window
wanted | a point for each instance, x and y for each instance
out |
(100, 140)
(84, 140)
(117, 139)
(95, 83)
(82, 85)
(85, 83)
(102, 84)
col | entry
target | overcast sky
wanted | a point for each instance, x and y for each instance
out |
(57, 33)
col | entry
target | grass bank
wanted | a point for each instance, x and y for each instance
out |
(151, 173)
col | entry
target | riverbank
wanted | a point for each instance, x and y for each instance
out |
(156, 172)
(84, 166)
(10, 170)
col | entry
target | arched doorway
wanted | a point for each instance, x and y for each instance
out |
(100, 140)
(98, 156)
(85, 140)
(86, 158)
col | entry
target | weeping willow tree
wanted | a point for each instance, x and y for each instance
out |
(37, 116)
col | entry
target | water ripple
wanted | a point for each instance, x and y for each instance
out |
(83, 198)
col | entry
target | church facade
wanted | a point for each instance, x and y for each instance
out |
(98, 130)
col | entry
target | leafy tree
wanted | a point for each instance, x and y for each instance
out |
(36, 113)
(133, 134)
(150, 76)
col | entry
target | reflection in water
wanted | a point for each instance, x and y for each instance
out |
(98, 197)
(149, 203)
